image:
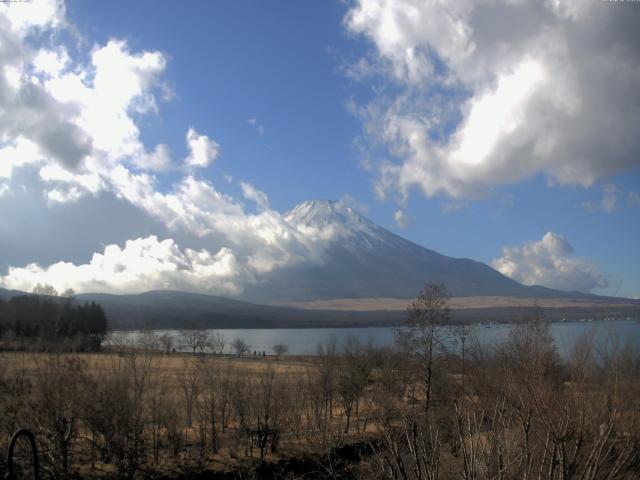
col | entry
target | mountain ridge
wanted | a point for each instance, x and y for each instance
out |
(365, 260)
(365, 266)
(171, 309)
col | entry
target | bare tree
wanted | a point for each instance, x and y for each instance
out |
(189, 381)
(115, 411)
(148, 341)
(217, 343)
(69, 293)
(197, 340)
(138, 370)
(166, 341)
(322, 387)
(158, 392)
(280, 349)
(422, 335)
(224, 394)
(352, 378)
(208, 401)
(240, 347)
(58, 385)
(45, 289)
(527, 412)
(240, 400)
(270, 409)
(411, 443)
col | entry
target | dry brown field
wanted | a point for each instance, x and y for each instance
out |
(456, 303)
(145, 413)
(171, 364)
(170, 376)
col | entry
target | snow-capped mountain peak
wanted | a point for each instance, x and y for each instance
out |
(327, 214)
(362, 259)
(321, 212)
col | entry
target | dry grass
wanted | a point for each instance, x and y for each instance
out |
(456, 303)
(390, 403)
(170, 370)
(171, 365)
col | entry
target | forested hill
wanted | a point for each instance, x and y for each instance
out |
(40, 322)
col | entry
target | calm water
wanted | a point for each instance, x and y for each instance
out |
(305, 341)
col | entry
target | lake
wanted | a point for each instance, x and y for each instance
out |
(305, 341)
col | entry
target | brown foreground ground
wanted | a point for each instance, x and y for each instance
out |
(143, 414)
(514, 411)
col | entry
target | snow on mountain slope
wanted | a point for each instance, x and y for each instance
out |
(351, 228)
(366, 260)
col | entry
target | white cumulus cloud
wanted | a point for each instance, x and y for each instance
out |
(549, 262)
(58, 110)
(486, 93)
(70, 140)
(25, 18)
(202, 150)
(142, 264)
(252, 193)
(105, 107)
(402, 219)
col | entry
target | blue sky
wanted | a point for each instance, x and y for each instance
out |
(368, 102)
(232, 62)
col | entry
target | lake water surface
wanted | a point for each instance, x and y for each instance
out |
(305, 341)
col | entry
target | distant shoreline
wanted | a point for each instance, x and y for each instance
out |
(458, 303)
(635, 318)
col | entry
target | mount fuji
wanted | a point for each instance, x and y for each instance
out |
(365, 260)
(365, 277)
